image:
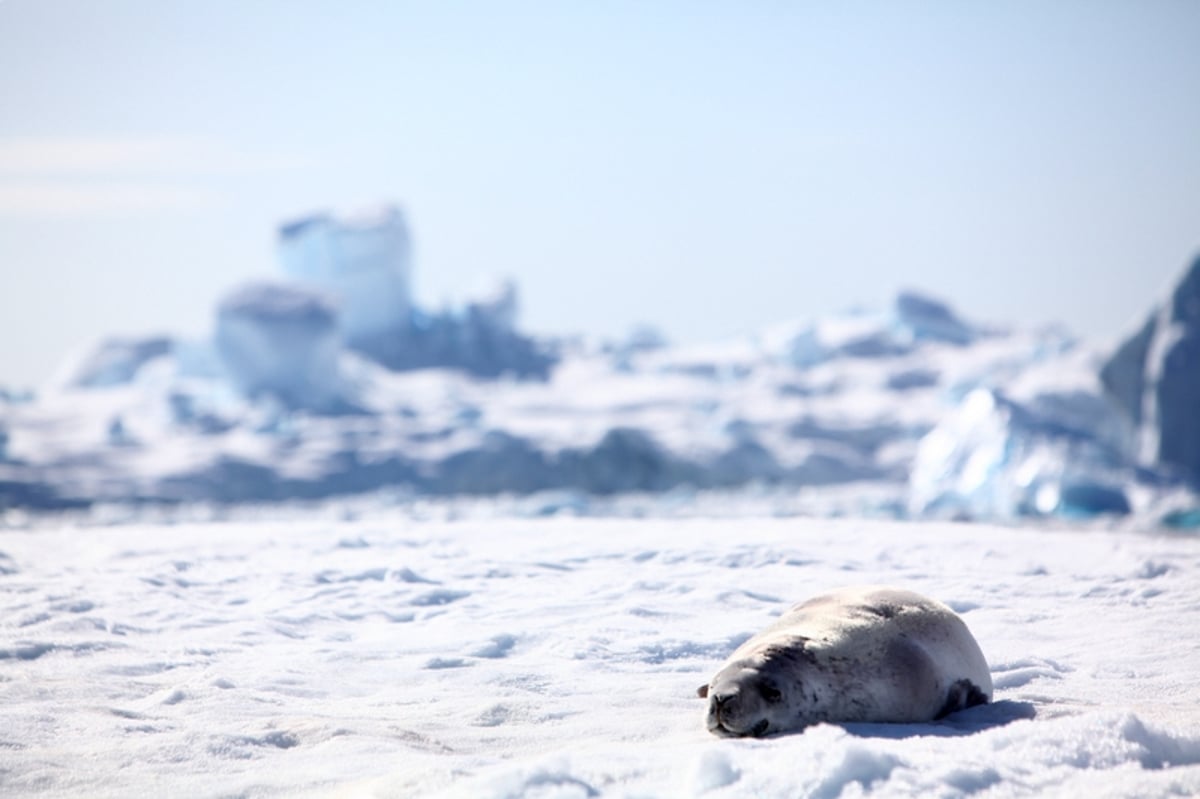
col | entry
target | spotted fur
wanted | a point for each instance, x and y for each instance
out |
(866, 654)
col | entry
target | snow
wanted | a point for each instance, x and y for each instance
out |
(461, 649)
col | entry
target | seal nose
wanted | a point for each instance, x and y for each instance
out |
(725, 704)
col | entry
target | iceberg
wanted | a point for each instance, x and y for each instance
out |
(477, 339)
(913, 319)
(495, 305)
(113, 361)
(640, 339)
(851, 335)
(994, 457)
(362, 259)
(925, 318)
(910, 410)
(281, 341)
(1154, 376)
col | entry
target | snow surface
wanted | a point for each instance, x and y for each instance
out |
(446, 650)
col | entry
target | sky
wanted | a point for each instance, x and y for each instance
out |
(710, 168)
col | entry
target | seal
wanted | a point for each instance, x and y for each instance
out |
(860, 654)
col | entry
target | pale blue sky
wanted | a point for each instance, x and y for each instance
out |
(708, 167)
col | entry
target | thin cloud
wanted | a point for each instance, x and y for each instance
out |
(55, 199)
(60, 176)
(89, 155)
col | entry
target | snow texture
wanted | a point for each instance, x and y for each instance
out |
(449, 652)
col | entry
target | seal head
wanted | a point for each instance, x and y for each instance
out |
(744, 699)
(775, 688)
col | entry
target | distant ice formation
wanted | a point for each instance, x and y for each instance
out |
(909, 412)
(282, 341)
(1155, 378)
(113, 361)
(363, 260)
(495, 304)
(913, 319)
(478, 339)
(994, 457)
(925, 318)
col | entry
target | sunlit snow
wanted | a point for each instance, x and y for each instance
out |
(462, 650)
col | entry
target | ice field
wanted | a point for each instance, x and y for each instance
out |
(454, 653)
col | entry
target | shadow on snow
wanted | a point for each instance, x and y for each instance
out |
(964, 722)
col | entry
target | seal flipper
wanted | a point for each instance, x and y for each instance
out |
(702, 691)
(962, 695)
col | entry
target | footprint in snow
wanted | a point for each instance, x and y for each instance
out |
(1020, 673)
(446, 663)
(500, 646)
(442, 596)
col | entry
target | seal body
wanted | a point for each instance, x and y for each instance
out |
(863, 654)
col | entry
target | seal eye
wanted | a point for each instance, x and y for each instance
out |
(769, 692)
